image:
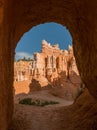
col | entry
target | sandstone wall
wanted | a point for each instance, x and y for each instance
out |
(6, 65)
(17, 17)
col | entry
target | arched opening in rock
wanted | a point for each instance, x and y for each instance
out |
(55, 88)
(41, 65)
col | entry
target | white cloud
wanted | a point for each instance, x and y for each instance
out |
(21, 55)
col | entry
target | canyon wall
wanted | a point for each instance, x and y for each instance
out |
(48, 63)
(49, 68)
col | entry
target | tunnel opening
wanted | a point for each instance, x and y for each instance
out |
(52, 61)
(57, 82)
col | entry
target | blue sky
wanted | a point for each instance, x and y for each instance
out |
(53, 33)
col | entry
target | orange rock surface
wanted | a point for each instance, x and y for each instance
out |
(52, 69)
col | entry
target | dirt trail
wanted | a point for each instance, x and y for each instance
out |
(39, 118)
(82, 115)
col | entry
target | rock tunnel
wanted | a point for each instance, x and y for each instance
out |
(17, 17)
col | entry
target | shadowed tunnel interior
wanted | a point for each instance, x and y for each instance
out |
(17, 17)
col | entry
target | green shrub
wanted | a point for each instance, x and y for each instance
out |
(28, 101)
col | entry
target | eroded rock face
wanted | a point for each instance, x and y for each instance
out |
(51, 67)
(52, 61)
(48, 63)
(17, 17)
